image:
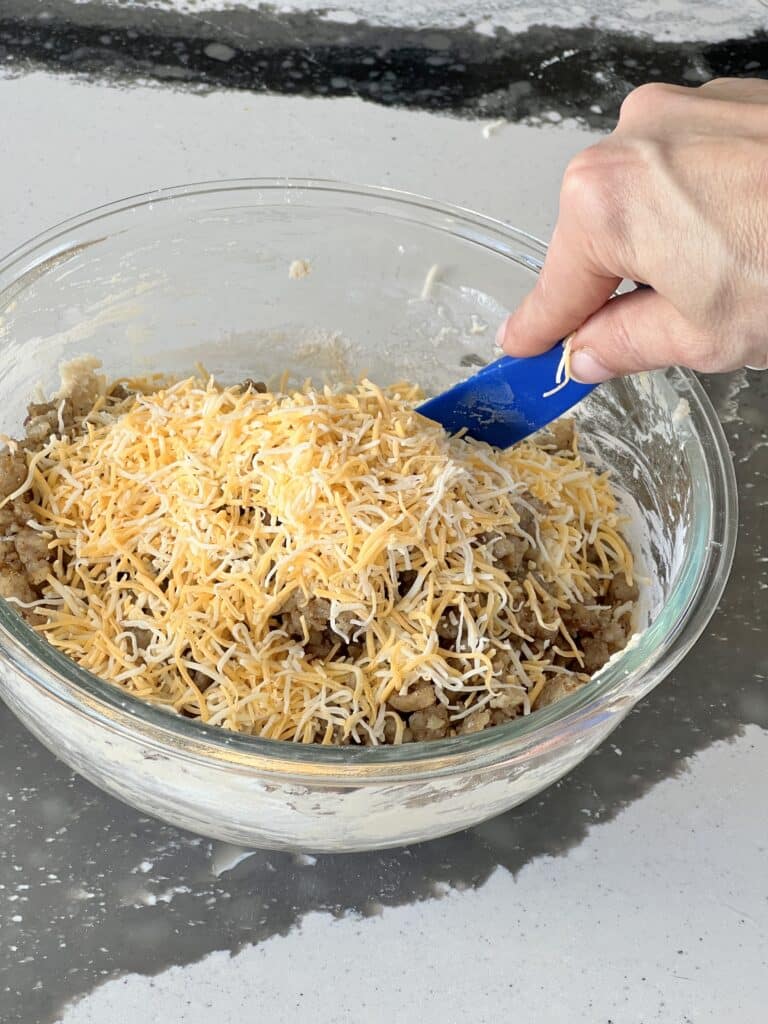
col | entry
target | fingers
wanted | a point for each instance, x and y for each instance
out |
(741, 90)
(641, 331)
(675, 184)
(567, 291)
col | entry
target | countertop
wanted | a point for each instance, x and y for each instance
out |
(632, 891)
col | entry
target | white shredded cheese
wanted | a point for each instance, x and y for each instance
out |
(187, 520)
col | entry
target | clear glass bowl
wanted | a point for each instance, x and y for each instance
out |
(201, 273)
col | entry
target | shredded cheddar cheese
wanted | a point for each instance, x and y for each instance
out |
(299, 565)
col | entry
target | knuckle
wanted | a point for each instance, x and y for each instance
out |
(754, 90)
(728, 85)
(585, 182)
(622, 342)
(716, 84)
(647, 100)
(579, 167)
(594, 197)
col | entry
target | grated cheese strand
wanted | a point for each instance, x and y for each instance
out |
(198, 529)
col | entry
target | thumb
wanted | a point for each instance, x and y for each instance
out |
(640, 330)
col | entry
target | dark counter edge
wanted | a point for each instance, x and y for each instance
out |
(542, 71)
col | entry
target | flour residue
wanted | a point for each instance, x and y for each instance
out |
(493, 127)
(429, 281)
(299, 269)
(226, 857)
(682, 411)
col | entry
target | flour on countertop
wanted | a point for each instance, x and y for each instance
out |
(299, 269)
(225, 857)
(492, 127)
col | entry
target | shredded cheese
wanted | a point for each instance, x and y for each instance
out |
(285, 564)
(563, 375)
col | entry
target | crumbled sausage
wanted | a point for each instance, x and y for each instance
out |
(528, 512)
(475, 722)
(619, 590)
(596, 653)
(25, 559)
(338, 738)
(32, 549)
(416, 700)
(320, 643)
(42, 421)
(14, 582)
(431, 724)
(500, 717)
(83, 390)
(317, 612)
(405, 580)
(553, 690)
(508, 702)
(614, 634)
(448, 625)
(530, 625)
(13, 472)
(143, 637)
(267, 517)
(200, 679)
(390, 728)
(345, 623)
(583, 619)
(511, 552)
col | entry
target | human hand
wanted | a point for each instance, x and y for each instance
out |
(675, 198)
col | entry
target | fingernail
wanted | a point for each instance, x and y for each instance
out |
(501, 333)
(586, 368)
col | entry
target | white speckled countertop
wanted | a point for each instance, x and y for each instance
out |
(633, 891)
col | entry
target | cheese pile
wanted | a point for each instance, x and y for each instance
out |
(190, 525)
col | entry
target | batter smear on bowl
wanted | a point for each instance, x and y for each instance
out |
(317, 565)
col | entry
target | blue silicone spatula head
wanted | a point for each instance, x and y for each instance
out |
(508, 399)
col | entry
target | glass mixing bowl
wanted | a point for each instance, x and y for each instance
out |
(399, 287)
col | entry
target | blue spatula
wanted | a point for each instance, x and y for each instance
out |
(508, 399)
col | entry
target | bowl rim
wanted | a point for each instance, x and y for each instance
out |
(619, 685)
